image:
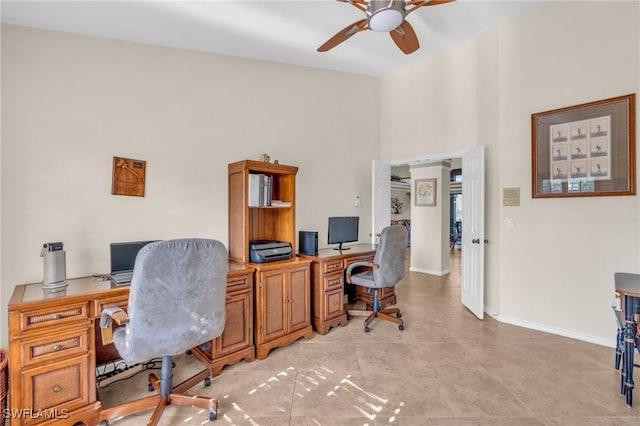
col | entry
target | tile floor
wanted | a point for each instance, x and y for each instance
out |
(445, 368)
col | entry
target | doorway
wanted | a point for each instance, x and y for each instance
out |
(472, 232)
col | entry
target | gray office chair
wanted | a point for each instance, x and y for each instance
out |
(385, 271)
(176, 302)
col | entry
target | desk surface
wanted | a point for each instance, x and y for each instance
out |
(83, 287)
(355, 249)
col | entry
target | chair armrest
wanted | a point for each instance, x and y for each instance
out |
(107, 317)
(359, 265)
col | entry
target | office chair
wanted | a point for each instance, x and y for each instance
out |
(176, 302)
(385, 271)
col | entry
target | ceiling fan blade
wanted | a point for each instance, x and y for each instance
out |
(405, 38)
(419, 3)
(343, 35)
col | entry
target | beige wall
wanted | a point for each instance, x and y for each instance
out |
(70, 103)
(554, 269)
(430, 224)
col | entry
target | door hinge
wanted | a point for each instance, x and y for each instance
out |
(260, 284)
(260, 329)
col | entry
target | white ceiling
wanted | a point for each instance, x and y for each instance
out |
(279, 31)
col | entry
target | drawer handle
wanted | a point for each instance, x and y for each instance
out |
(56, 348)
(237, 282)
(56, 316)
(57, 389)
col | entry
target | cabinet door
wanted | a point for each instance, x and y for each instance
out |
(270, 306)
(299, 298)
(333, 304)
(237, 329)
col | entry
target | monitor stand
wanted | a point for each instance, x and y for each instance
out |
(340, 248)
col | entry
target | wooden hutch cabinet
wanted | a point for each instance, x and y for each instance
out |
(281, 288)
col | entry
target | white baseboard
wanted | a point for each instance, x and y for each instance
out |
(430, 271)
(598, 340)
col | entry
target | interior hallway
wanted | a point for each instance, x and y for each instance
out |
(445, 368)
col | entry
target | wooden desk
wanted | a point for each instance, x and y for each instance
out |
(327, 285)
(52, 344)
(628, 287)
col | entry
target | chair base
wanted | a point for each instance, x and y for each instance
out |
(160, 402)
(384, 314)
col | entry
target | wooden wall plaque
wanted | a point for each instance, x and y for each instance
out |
(128, 177)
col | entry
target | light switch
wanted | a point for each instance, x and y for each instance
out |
(509, 223)
(356, 200)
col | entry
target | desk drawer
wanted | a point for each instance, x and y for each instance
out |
(333, 281)
(351, 260)
(110, 302)
(239, 283)
(62, 384)
(55, 346)
(332, 266)
(57, 316)
(333, 304)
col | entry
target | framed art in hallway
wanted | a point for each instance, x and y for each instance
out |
(584, 150)
(426, 192)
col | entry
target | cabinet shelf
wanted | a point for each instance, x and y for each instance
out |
(249, 223)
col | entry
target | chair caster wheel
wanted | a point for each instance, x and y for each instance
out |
(150, 387)
(104, 423)
(349, 317)
(401, 327)
(398, 315)
(213, 414)
(366, 329)
(207, 382)
(188, 352)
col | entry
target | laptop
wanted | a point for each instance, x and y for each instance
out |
(123, 258)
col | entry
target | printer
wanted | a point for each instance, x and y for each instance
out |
(262, 251)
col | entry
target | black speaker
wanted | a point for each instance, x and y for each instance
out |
(308, 242)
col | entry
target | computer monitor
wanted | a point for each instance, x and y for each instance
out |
(343, 230)
(123, 255)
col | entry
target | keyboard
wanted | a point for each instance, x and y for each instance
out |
(121, 278)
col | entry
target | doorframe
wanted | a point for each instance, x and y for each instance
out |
(412, 161)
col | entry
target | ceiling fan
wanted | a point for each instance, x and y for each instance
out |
(384, 16)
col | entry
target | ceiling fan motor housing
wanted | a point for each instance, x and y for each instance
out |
(385, 15)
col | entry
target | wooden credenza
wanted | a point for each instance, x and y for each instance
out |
(53, 345)
(283, 311)
(327, 285)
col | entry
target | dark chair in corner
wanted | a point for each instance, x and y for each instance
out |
(627, 287)
(176, 302)
(385, 271)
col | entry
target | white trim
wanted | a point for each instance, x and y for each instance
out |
(433, 157)
(598, 340)
(430, 271)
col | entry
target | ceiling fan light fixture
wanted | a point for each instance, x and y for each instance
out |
(385, 15)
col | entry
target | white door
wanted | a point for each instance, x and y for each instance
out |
(473, 231)
(381, 203)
